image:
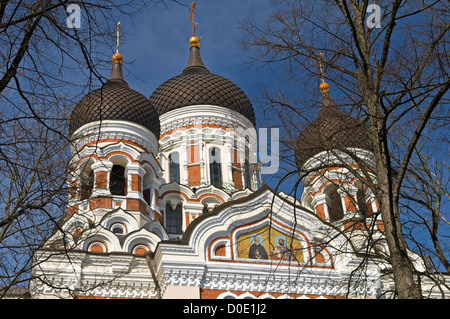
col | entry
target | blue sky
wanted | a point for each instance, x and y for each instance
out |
(156, 42)
(155, 45)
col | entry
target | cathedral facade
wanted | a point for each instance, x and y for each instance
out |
(165, 202)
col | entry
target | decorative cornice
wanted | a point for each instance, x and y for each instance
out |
(258, 278)
(336, 158)
(114, 130)
(113, 275)
(203, 114)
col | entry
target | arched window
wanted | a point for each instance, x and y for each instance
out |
(215, 168)
(247, 174)
(174, 219)
(147, 196)
(148, 186)
(87, 185)
(336, 211)
(362, 205)
(118, 228)
(117, 182)
(174, 168)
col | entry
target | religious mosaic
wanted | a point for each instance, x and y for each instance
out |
(269, 244)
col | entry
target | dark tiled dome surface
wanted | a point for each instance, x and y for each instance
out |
(331, 130)
(197, 86)
(115, 100)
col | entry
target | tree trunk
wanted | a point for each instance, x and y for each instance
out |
(405, 286)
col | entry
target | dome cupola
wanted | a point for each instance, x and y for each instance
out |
(115, 100)
(197, 86)
(331, 130)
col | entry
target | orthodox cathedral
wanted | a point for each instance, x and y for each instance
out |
(165, 201)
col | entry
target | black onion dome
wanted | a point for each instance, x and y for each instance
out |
(115, 100)
(197, 86)
(331, 130)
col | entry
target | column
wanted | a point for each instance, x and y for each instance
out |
(229, 161)
(135, 174)
(201, 146)
(184, 160)
(102, 171)
(321, 204)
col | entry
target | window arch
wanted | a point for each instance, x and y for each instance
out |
(98, 247)
(362, 204)
(140, 249)
(86, 180)
(247, 174)
(215, 167)
(174, 167)
(76, 231)
(117, 181)
(87, 184)
(148, 185)
(119, 228)
(336, 212)
(174, 219)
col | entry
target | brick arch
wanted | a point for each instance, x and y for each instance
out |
(97, 246)
(140, 249)
(116, 140)
(327, 184)
(120, 154)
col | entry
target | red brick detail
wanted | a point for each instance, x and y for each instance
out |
(101, 180)
(237, 179)
(350, 204)
(72, 210)
(194, 154)
(100, 202)
(136, 183)
(320, 211)
(132, 204)
(73, 190)
(194, 175)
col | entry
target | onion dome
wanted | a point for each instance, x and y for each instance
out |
(115, 100)
(331, 130)
(197, 86)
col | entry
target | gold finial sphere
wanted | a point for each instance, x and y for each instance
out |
(324, 87)
(194, 41)
(117, 58)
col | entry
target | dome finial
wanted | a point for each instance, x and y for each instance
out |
(117, 57)
(194, 40)
(323, 87)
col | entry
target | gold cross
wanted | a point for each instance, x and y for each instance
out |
(320, 65)
(117, 36)
(191, 18)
